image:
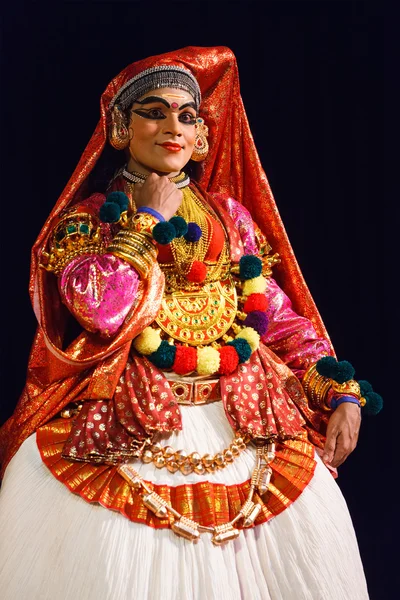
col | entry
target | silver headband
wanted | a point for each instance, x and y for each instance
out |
(154, 78)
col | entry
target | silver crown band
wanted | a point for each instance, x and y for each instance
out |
(154, 78)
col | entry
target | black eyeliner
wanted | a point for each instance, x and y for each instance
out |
(145, 115)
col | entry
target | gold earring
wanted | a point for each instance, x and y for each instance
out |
(200, 149)
(118, 133)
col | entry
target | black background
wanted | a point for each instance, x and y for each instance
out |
(312, 83)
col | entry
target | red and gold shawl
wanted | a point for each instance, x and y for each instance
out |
(90, 367)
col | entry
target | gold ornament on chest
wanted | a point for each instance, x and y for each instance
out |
(201, 316)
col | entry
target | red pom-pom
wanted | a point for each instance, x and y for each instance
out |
(185, 360)
(198, 272)
(255, 302)
(229, 360)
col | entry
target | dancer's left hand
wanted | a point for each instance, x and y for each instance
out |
(342, 434)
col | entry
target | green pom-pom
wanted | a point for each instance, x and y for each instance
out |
(374, 403)
(110, 212)
(242, 347)
(365, 387)
(345, 372)
(164, 356)
(250, 266)
(119, 198)
(181, 227)
(164, 233)
(327, 367)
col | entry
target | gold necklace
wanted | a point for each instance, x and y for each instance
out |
(180, 180)
(185, 253)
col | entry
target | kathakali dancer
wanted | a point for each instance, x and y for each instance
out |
(179, 397)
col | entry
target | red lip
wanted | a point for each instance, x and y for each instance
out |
(171, 146)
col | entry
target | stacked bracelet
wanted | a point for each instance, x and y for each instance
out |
(328, 377)
(133, 242)
(136, 249)
(316, 388)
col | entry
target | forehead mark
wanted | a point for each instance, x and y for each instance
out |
(172, 96)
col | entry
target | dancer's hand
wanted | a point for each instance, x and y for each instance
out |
(342, 433)
(160, 194)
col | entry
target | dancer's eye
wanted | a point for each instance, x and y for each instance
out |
(150, 113)
(187, 118)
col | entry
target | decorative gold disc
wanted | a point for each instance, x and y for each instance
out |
(199, 317)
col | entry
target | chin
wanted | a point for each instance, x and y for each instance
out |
(170, 166)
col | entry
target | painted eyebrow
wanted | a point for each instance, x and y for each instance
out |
(151, 99)
(188, 104)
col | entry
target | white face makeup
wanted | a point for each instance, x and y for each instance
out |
(162, 131)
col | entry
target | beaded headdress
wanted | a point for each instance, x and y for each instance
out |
(155, 78)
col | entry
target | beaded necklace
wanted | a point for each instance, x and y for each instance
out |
(180, 180)
(185, 252)
(188, 252)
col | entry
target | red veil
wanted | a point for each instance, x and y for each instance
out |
(232, 167)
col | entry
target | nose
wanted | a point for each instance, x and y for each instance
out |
(172, 125)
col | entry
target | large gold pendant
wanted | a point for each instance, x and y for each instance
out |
(199, 317)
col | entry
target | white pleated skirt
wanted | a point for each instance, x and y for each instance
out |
(56, 546)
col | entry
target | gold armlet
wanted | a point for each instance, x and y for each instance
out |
(136, 248)
(264, 250)
(76, 234)
(268, 263)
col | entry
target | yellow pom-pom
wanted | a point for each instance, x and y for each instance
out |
(251, 336)
(208, 360)
(148, 341)
(257, 285)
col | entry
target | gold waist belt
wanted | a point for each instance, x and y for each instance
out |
(196, 392)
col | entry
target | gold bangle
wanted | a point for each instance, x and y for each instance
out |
(143, 223)
(348, 387)
(134, 235)
(319, 386)
(138, 237)
(134, 248)
(137, 262)
(135, 244)
(316, 387)
(322, 394)
(312, 384)
(139, 250)
(309, 380)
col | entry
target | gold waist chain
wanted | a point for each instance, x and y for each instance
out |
(191, 530)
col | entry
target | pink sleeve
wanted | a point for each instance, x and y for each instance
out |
(99, 290)
(291, 337)
(242, 220)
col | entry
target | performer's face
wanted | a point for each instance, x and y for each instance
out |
(162, 131)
